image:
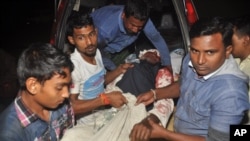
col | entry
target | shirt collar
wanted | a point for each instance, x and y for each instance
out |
(204, 77)
(25, 115)
(120, 22)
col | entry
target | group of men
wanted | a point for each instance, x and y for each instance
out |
(58, 91)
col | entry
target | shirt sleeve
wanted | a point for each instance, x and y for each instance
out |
(163, 109)
(157, 40)
(103, 39)
(76, 79)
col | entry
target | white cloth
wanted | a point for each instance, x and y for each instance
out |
(116, 129)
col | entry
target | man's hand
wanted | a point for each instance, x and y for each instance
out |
(157, 130)
(121, 69)
(145, 98)
(141, 131)
(116, 99)
(124, 67)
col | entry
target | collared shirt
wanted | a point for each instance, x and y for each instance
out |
(113, 37)
(213, 103)
(204, 77)
(21, 124)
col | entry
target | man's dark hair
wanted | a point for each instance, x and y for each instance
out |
(137, 8)
(78, 20)
(42, 61)
(242, 25)
(211, 26)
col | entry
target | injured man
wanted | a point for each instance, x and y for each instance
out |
(116, 124)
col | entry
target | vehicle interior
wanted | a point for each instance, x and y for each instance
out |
(172, 18)
(162, 14)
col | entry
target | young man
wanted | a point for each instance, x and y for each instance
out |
(241, 48)
(89, 76)
(41, 111)
(119, 26)
(212, 90)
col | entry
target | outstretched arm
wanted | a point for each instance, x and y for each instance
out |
(159, 43)
(115, 99)
(170, 91)
(121, 69)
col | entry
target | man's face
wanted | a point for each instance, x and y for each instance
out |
(132, 25)
(54, 91)
(151, 57)
(238, 45)
(208, 53)
(85, 40)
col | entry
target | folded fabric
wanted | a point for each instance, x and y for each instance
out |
(116, 129)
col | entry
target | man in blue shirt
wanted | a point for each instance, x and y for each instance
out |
(212, 91)
(119, 26)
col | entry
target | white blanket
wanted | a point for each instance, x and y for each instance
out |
(117, 129)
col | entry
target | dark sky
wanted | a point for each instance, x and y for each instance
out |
(18, 11)
(24, 22)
